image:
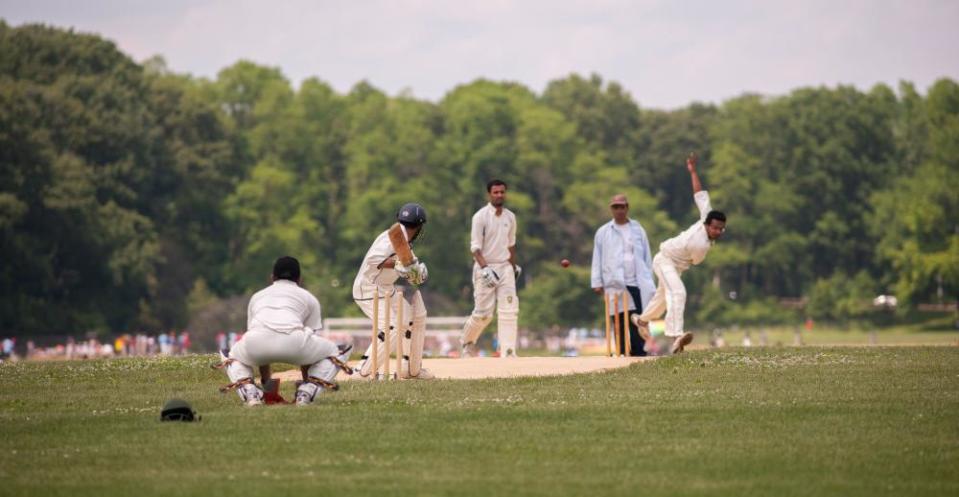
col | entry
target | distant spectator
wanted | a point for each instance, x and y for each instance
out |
(184, 342)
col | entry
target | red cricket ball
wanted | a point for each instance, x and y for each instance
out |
(564, 263)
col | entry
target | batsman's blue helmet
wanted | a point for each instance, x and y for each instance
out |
(411, 214)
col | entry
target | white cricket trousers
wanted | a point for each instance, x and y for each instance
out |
(670, 296)
(298, 347)
(503, 298)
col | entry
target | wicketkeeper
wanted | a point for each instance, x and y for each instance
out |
(675, 256)
(281, 319)
(493, 244)
(381, 267)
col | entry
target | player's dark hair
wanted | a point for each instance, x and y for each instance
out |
(719, 216)
(286, 268)
(495, 182)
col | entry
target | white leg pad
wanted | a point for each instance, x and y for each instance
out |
(381, 353)
(484, 299)
(507, 316)
(248, 392)
(324, 370)
(414, 335)
(237, 371)
(474, 328)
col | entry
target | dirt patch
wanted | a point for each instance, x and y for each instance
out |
(493, 367)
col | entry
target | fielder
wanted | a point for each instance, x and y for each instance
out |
(380, 269)
(675, 256)
(493, 244)
(281, 319)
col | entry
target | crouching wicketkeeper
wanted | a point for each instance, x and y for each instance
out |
(280, 323)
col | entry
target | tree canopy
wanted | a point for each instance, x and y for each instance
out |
(128, 193)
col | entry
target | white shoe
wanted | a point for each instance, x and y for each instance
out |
(681, 342)
(306, 393)
(250, 394)
(425, 374)
(468, 350)
(643, 328)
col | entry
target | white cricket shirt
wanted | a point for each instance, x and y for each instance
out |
(493, 235)
(283, 307)
(690, 247)
(370, 275)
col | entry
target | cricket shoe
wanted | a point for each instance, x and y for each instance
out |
(252, 396)
(681, 342)
(306, 392)
(468, 350)
(643, 328)
(425, 374)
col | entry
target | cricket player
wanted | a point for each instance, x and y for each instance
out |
(622, 263)
(380, 269)
(675, 256)
(281, 319)
(493, 244)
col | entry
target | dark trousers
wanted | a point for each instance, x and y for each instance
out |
(636, 343)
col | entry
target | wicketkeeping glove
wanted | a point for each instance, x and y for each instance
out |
(489, 276)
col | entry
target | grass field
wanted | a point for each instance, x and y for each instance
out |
(834, 336)
(761, 421)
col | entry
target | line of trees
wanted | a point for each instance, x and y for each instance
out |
(132, 197)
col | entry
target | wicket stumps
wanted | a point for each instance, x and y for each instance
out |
(620, 340)
(609, 350)
(388, 329)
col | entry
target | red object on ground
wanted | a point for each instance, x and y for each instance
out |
(271, 392)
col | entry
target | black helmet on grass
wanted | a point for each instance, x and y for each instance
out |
(178, 410)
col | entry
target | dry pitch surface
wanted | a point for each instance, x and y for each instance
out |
(471, 368)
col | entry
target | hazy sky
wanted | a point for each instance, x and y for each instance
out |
(665, 53)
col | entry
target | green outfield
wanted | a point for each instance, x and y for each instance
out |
(824, 336)
(762, 421)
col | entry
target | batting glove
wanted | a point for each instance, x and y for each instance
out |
(517, 271)
(403, 271)
(489, 276)
(418, 273)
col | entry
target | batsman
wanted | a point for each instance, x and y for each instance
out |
(675, 256)
(493, 245)
(389, 258)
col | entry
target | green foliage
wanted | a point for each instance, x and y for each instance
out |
(842, 299)
(557, 297)
(122, 186)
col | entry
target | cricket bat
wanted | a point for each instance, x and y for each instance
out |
(401, 245)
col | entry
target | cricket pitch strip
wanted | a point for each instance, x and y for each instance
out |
(473, 368)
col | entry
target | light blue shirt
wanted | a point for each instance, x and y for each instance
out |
(608, 269)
